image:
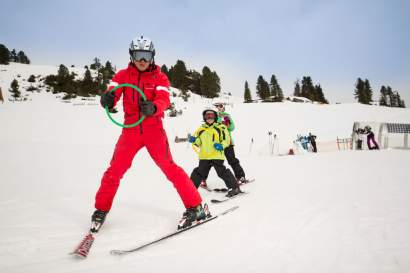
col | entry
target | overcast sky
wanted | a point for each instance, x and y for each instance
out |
(334, 42)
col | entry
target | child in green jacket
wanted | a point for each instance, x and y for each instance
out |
(233, 161)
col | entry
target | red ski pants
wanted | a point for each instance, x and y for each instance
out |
(130, 142)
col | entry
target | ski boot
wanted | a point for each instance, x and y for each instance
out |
(194, 215)
(203, 184)
(242, 180)
(97, 219)
(232, 192)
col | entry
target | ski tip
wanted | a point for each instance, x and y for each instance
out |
(231, 209)
(78, 256)
(117, 252)
(221, 190)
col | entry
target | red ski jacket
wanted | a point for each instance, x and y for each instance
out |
(152, 82)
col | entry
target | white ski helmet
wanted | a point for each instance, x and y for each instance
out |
(220, 106)
(142, 44)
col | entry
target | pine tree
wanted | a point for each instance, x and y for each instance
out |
(390, 96)
(104, 75)
(399, 100)
(272, 86)
(109, 71)
(96, 64)
(216, 84)
(304, 88)
(280, 96)
(63, 73)
(319, 96)
(206, 82)
(32, 78)
(359, 92)
(210, 83)
(63, 81)
(368, 92)
(100, 81)
(179, 76)
(22, 58)
(164, 69)
(297, 91)
(4, 54)
(402, 104)
(194, 82)
(262, 89)
(13, 56)
(383, 96)
(171, 75)
(247, 94)
(276, 90)
(308, 90)
(394, 99)
(87, 86)
(15, 89)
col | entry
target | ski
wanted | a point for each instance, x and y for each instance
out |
(169, 235)
(220, 190)
(217, 201)
(240, 184)
(82, 250)
(205, 188)
(247, 181)
(84, 247)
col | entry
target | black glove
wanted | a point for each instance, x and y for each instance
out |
(107, 100)
(147, 107)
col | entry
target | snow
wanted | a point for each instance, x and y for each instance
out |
(343, 211)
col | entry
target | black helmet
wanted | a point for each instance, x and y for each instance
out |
(209, 111)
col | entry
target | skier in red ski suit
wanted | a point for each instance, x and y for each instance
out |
(143, 73)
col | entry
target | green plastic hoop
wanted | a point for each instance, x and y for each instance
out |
(118, 123)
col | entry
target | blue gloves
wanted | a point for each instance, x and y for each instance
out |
(218, 146)
(191, 139)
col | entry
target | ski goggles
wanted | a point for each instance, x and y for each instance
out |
(209, 115)
(138, 55)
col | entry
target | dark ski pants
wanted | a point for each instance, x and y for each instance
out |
(370, 141)
(201, 173)
(234, 162)
(314, 147)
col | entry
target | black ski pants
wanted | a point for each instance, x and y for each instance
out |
(234, 162)
(314, 147)
(201, 173)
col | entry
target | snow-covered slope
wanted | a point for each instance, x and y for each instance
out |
(327, 212)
